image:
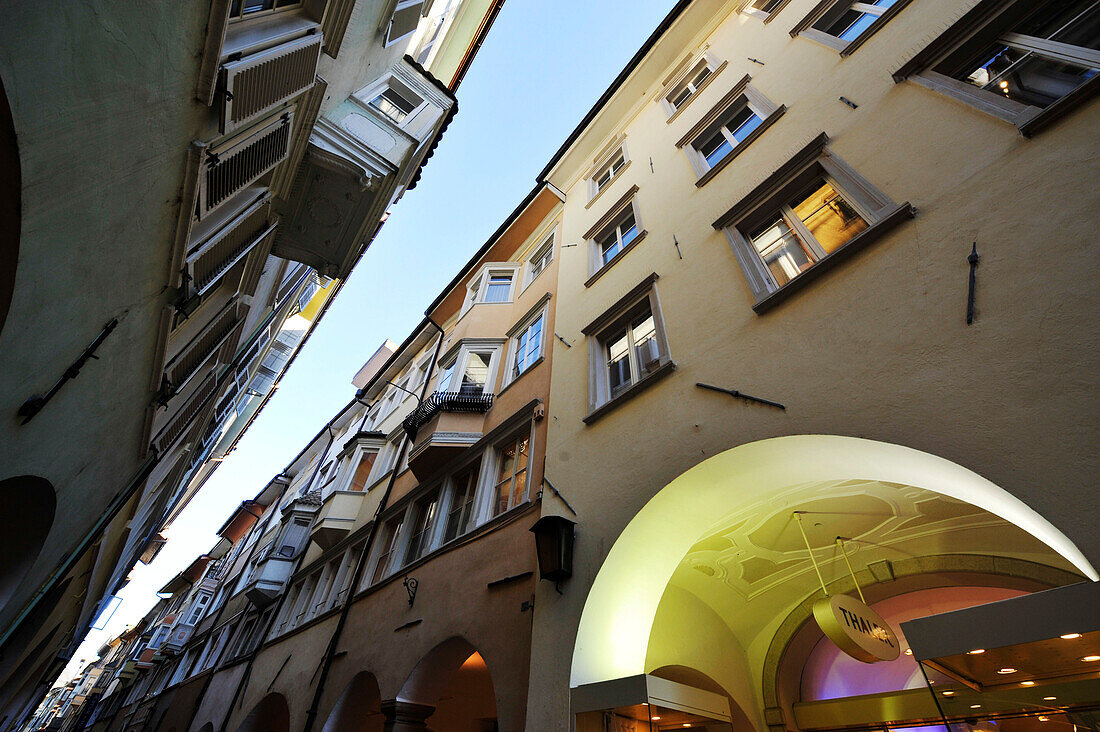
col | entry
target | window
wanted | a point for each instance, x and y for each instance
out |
(197, 609)
(403, 21)
(813, 208)
(846, 24)
(627, 346)
(738, 119)
(527, 343)
(472, 370)
(1016, 59)
(607, 172)
(490, 285)
(293, 537)
(445, 376)
(686, 89)
(463, 487)
(248, 8)
(392, 98)
(541, 259)
(615, 233)
(359, 480)
(390, 103)
(764, 9)
(391, 535)
(476, 373)
(423, 521)
(511, 484)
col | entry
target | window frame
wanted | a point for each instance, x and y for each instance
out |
(766, 16)
(474, 469)
(742, 96)
(597, 265)
(366, 96)
(477, 285)
(241, 16)
(497, 454)
(457, 358)
(422, 531)
(384, 564)
(827, 8)
(544, 251)
(540, 311)
(976, 27)
(606, 163)
(879, 211)
(687, 71)
(598, 333)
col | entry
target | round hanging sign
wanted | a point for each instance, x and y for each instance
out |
(856, 629)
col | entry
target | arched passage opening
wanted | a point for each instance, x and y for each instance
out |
(705, 574)
(453, 687)
(24, 526)
(359, 708)
(271, 714)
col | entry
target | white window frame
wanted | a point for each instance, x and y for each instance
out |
(366, 96)
(392, 8)
(835, 11)
(242, 16)
(476, 286)
(613, 219)
(543, 256)
(607, 164)
(717, 121)
(758, 8)
(541, 311)
(600, 331)
(685, 77)
(458, 356)
(870, 203)
(197, 608)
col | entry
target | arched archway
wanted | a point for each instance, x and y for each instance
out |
(894, 496)
(24, 526)
(454, 681)
(11, 191)
(271, 714)
(208, 727)
(359, 708)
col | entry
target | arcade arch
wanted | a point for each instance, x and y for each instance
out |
(24, 527)
(271, 714)
(453, 688)
(359, 708)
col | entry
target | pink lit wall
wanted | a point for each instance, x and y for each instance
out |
(831, 674)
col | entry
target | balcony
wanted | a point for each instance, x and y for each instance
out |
(337, 516)
(442, 426)
(269, 579)
(179, 637)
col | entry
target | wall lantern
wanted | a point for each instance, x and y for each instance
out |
(554, 547)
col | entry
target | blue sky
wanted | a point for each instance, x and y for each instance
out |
(541, 68)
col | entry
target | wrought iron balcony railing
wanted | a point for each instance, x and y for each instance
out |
(445, 401)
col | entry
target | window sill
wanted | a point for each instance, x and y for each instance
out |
(609, 183)
(764, 124)
(693, 97)
(622, 253)
(635, 389)
(805, 27)
(868, 236)
(523, 373)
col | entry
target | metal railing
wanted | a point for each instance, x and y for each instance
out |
(445, 401)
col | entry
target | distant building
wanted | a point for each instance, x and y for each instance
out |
(186, 189)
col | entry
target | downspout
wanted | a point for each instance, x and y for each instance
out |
(282, 598)
(361, 563)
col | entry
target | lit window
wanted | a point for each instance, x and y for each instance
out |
(511, 484)
(791, 223)
(528, 346)
(1017, 62)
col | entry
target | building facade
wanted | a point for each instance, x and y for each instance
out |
(190, 187)
(778, 327)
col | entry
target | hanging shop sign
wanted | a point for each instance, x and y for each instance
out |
(856, 629)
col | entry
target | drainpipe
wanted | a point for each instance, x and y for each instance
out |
(360, 565)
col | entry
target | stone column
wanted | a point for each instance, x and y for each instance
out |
(403, 716)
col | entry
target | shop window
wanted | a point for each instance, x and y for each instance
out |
(1022, 61)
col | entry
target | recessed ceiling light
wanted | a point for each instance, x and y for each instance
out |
(1006, 670)
(1049, 698)
(1070, 636)
(975, 652)
(1027, 683)
(1090, 659)
(949, 693)
(975, 706)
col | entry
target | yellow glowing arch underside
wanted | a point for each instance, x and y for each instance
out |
(618, 614)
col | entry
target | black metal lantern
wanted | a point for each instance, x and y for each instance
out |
(554, 547)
